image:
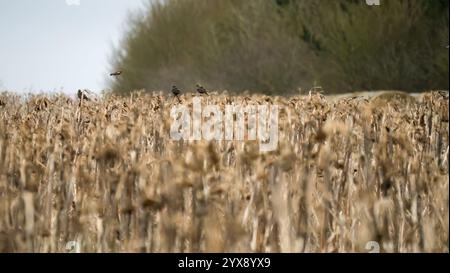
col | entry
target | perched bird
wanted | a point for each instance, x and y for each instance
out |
(443, 94)
(2, 103)
(115, 74)
(201, 89)
(83, 95)
(176, 92)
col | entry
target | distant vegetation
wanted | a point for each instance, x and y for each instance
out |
(279, 46)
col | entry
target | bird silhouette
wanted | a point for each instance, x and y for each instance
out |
(176, 92)
(82, 95)
(115, 74)
(201, 89)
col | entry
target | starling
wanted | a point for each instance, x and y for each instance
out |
(176, 92)
(82, 95)
(201, 89)
(443, 94)
(117, 73)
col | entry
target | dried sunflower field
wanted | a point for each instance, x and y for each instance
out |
(105, 175)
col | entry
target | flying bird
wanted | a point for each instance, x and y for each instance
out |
(115, 74)
(201, 89)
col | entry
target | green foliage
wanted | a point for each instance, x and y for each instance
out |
(281, 45)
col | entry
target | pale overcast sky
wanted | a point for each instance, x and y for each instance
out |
(59, 45)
